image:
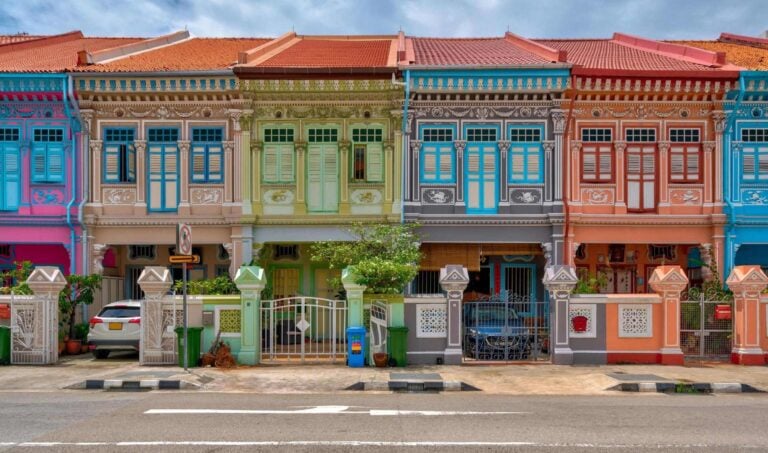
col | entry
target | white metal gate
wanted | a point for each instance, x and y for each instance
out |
(303, 329)
(34, 330)
(378, 329)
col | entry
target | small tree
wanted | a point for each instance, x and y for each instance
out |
(80, 289)
(17, 278)
(386, 257)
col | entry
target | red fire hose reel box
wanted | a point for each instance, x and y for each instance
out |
(579, 323)
(723, 312)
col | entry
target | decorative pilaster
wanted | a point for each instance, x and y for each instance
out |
(354, 297)
(504, 178)
(253, 178)
(669, 282)
(413, 172)
(720, 120)
(664, 172)
(550, 167)
(460, 145)
(747, 282)
(250, 280)
(184, 177)
(575, 176)
(711, 186)
(621, 148)
(453, 280)
(246, 177)
(558, 121)
(560, 281)
(300, 206)
(229, 185)
(95, 179)
(140, 208)
(345, 146)
(154, 281)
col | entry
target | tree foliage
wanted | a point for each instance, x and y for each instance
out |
(221, 285)
(385, 257)
(17, 277)
(80, 289)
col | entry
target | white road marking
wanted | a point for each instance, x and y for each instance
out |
(325, 410)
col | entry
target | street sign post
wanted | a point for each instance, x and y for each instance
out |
(184, 248)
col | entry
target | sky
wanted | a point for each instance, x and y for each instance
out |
(659, 19)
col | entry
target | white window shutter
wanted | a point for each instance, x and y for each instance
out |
(375, 162)
(445, 155)
(271, 163)
(330, 178)
(534, 164)
(286, 159)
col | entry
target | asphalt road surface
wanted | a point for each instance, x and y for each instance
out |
(185, 421)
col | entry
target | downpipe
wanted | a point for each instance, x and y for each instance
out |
(730, 227)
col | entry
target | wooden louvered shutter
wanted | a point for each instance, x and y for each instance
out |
(55, 163)
(762, 163)
(489, 177)
(533, 170)
(677, 163)
(111, 163)
(10, 175)
(517, 162)
(605, 162)
(38, 162)
(270, 170)
(473, 177)
(171, 176)
(445, 154)
(634, 170)
(649, 177)
(374, 163)
(155, 157)
(198, 163)
(315, 178)
(748, 163)
(589, 163)
(330, 178)
(429, 156)
(693, 163)
(215, 163)
(285, 159)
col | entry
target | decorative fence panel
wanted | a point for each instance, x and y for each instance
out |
(706, 326)
(34, 330)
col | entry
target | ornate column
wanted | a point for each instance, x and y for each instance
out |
(244, 176)
(575, 171)
(460, 145)
(96, 148)
(344, 149)
(621, 182)
(140, 207)
(354, 297)
(253, 179)
(705, 251)
(413, 172)
(719, 119)
(184, 177)
(551, 167)
(556, 181)
(229, 184)
(669, 282)
(709, 184)
(747, 282)
(389, 179)
(36, 343)
(397, 164)
(453, 280)
(97, 257)
(503, 168)
(559, 281)
(155, 281)
(664, 173)
(250, 280)
(300, 205)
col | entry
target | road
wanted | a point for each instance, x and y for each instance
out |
(167, 421)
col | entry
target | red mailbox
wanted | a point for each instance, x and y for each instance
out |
(722, 312)
(579, 323)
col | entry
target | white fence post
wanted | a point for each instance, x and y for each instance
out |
(560, 281)
(35, 320)
(454, 279)
(157, 344)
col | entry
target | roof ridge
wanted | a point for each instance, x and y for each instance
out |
(742, 39)
(42, 41)
(105, 55)
(460, 38)
(677, 51)
(250, 56)
(538, 49)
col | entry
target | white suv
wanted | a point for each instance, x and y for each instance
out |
(117, 327)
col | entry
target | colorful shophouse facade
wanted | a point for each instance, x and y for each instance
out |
(745, 151)
(323, 149)
(41, 170)
(644, 159)
(482, 178)
(162, 134)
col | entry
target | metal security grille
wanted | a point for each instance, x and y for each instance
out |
(705, 334)
(518, 283)
(494, 330)
(303, 329)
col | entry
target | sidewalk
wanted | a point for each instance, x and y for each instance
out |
(526, 379)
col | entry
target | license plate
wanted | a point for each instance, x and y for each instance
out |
(115, 326)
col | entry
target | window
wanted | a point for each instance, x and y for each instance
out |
(596, 155)
(207, 155)
(662, 252)
(641, 135)
(525, 155)
(426, 282)
(484, 134)
(754, 163)
(367, 155)
(163, 135)
(286, 252)
(278, 135)
(754, 135)
(10, 169)
(323, 135)
(596, 135)
(163, 169)
(47, 156)
(141, 252)
(119, 155)
(437, 156)
(684, 155)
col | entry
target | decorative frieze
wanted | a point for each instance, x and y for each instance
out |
(125, 195)
(366, 196)
(525, 196)
(438, 195)
(206, 195)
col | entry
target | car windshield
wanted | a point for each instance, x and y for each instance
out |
(120, 311)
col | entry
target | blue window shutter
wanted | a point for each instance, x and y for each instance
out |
(38, 163)
(111, 163)
(198, 163)
(10, 171)
(55, 163)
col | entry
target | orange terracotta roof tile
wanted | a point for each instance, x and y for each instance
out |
(471, 51)
(45, 56)
(744, 55)
(196, 54)
(333, 53)
(10, 39)
(607, 54)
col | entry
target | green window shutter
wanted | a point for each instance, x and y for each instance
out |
(198, 163)
(38, 162)
(271, 164)
(111, 163)
(285, 160)
(375, 162)
(331, 178)
(55, 163)
(215, 164)
(10, 171)
(315, 178)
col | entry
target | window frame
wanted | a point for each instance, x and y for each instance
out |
(7, 178)
(444, 149)
(207, 152)
(598, 153)
(123, 156)
(48, 151)
(526, 153)
(369, 139)
(686, 155)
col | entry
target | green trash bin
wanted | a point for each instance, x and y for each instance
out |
(398, 345)
(193, 337)
(5, 345)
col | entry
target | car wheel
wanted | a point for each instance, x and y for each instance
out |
(100, 354)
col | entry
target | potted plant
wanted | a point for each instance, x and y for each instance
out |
(79, 290)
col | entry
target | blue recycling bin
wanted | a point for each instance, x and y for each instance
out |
(356, 347)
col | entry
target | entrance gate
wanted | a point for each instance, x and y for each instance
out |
(303, 329)
(704, 333)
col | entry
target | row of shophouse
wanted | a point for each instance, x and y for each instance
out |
(613, 155)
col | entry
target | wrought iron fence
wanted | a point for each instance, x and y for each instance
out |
(706, 327)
